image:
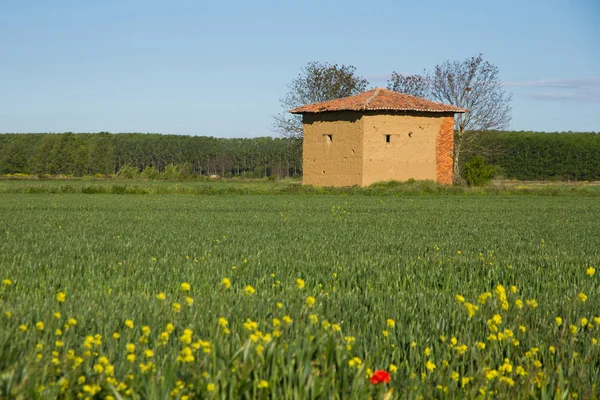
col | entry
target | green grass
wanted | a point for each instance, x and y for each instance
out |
(364, 259)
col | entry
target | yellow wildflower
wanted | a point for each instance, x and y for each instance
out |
(129, 323)
(61, 297)
(161, 296)
(40, 325)
(454, 376)
(299, 283)
(460, 298)
(313, 318)
(176, 307)
(590, 271)
(210, 387)
(430, 366)
(310, 301)
(185, 287)
(393, 368)
(390, 323)
(582, 297)
(558, 321)
(226, 283)
(7, 282)
(263, 384)
(56, 315)
(249, 290)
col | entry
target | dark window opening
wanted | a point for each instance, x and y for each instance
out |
(388, 138)
(329, 138)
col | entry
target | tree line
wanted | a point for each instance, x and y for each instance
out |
(565, 156)
(105, 153)
(515, 155)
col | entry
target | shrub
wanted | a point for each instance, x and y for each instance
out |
(151, 173)
(477, 173)
(128, 172)
(171, 172)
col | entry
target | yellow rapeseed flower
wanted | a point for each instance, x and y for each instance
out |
(480, 345)
(210, 387)
(310, 301)
(40, 325)
(72, 321)
(573, 329)
(149, 353)
(279, 305)
(116, 335)
(519, 303)
(226, 283)
(471, 309)
(454, 376)
(513, 289)
(532, 303)
(223, 322)
(176, 307)
(460, 298)
(299, 283)
(558, 321)
(313, 318)
(582, 297)
(185, 287)
(7, 282)
(263, 384)
(393, 368)
(189, 301)
(583, 322)
(590, 271)
(390, 323)
(129, 323)
(56, 315)
(61, 297)
(430, 366)
(336, 327)
(170, 328)
(130, 347)
(161, 296)
(249, 289)
(287, 319)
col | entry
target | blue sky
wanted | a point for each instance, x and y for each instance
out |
(219, 68)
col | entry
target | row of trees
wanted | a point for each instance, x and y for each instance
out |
(473, 84)
(105, 153)
(542, 156)
(515, 155)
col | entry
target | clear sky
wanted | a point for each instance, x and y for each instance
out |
(219, 68)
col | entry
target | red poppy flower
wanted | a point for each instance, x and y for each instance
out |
(380, 376)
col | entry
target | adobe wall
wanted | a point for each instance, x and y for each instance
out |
(411, 153)
(337, 162)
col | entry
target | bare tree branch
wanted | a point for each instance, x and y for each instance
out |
(316, 82)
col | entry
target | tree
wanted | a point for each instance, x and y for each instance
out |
(415, 85)
(472, 84)
(317, 82)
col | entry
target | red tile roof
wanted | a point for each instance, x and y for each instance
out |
(378, 99)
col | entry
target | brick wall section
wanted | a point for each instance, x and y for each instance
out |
(444, 151)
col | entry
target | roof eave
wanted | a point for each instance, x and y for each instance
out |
(300, 111)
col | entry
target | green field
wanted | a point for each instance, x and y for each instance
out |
(363, 258)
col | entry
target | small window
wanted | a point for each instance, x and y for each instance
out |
(388, 138)
(329, 138)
